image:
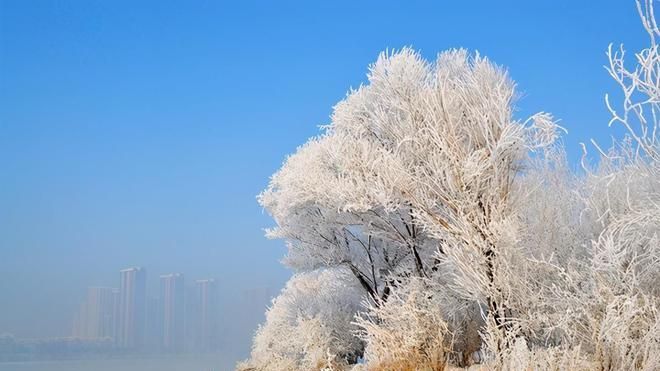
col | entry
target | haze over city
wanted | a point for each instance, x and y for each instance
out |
(139, 135)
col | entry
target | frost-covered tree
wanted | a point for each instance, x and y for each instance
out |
(413, 178)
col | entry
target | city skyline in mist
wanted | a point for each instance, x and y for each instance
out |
(180, 316)
(140, 134)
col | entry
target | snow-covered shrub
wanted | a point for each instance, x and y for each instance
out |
(309, 326)
(520, 357)
(407, 332)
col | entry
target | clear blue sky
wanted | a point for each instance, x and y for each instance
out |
(139, 134)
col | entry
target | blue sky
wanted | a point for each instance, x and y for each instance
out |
(139, 134)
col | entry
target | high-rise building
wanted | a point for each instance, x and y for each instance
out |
(172, 293)
(100, 312)
(96, 317)
(115, 314)
(80, 321)
(132, 307)
(153, 337)
(205, 315)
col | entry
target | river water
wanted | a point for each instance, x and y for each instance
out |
(179, 363)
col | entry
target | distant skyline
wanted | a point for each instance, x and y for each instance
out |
(142, 133)
(180, 316)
